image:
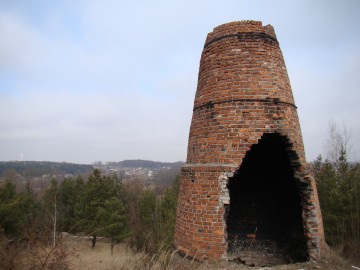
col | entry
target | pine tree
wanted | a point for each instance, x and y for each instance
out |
(338, 183)
(111, 219)
(97, 191)
(17, 211)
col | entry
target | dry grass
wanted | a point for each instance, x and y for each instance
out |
(26, 256)
(100, 258)
(75, 253)
(123, 258)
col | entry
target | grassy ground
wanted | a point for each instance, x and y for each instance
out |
(84, 257)
(75, 253)
(100, 258)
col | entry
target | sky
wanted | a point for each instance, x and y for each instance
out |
(85, 80)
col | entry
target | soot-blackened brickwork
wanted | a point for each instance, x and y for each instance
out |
(246, 192)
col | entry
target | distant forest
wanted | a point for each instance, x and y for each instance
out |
(39, 168)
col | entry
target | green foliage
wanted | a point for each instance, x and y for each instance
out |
(17, 211)
(68, 196)
(168, 212)
(7, 192)
(149, 220)
(339, 192)
(58, 204)
(338, 183)
(111, 219)
(98, 193)
(154, 219)
(101, 206)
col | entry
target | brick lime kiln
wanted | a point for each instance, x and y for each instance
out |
(246, 191)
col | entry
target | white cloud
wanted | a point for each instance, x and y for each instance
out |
(88, 80)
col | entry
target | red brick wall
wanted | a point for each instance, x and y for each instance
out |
(243, 92)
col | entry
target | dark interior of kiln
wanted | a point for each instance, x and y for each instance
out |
(264, 218)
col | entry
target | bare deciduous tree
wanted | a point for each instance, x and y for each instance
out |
(338, 142)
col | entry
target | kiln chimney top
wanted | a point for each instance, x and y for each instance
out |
(237, 27)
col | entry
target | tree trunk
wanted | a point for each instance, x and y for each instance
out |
(55, 221)
(112, 245)
(93, 241)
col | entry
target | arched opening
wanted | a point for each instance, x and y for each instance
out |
(264, 218)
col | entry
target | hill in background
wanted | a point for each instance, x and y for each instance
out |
(40, 168)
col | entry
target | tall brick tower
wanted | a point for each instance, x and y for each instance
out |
(246, 191)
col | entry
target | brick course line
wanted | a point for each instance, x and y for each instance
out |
(244, 100)
(242, 35)
(210, 165)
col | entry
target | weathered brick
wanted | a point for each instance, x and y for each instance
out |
(243, 93)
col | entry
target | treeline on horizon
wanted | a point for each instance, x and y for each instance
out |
(40, 168)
